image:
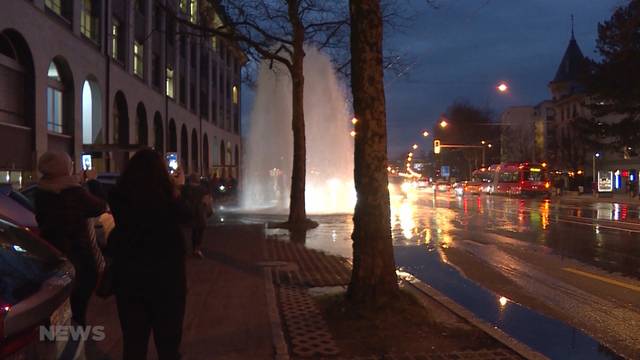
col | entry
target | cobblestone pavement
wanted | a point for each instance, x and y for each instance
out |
(312, 268)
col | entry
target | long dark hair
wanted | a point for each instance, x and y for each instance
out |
(145, 182)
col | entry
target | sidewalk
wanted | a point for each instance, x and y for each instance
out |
(226, 315)
(602, 198)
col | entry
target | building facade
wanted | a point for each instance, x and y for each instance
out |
(107, 77)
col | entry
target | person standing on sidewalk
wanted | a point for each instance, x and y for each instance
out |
(200, 203)
(147, 248)
(63, 208)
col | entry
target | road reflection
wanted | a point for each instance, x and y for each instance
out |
(602, 235)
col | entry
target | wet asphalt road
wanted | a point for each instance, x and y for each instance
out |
(576, 261)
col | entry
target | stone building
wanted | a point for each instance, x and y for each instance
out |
(107, 77)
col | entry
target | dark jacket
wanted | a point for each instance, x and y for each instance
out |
(194, 195)
(147, 245)
(62, 219)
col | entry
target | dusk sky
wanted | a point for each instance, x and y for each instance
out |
(462, 49)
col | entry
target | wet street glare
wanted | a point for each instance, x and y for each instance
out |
(574, 262)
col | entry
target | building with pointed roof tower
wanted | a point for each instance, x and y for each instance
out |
(548, 131)
(566, 151)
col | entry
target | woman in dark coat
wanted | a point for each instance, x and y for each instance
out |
(148, 252)
(63, 208)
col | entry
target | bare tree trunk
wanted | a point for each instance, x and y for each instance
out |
(373, 280)
(297, 206)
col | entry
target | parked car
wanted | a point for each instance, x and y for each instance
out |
(108, 181)
(35, 283)
(17, 213)
(7, 190)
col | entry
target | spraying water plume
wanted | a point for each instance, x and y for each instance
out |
(268, 155)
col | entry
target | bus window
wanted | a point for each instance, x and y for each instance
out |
(532, 175)
(509, 177)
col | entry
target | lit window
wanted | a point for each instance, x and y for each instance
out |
(234, 94)
(55, 89)
(86, 20)
(54, 110)
(183, 6)
(115, 34)
(138, 63)
(169, 83)
(54, 5)
(53, 73)
(193, 11)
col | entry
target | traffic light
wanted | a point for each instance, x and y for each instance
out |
(436, 146)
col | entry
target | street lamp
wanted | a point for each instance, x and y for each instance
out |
(425, 133)
(595, 181)
(354, 121)
(483, 142)
(352, 133)
(502, 87)
(489, 146)
(443, 124)
(415, 146)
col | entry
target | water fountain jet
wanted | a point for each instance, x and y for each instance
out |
(268, 155)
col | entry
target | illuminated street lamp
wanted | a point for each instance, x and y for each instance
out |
(483, 142)
(425, 133)
(352, 133)
(502, 87)
(410, 154)
(489, 146)
(443, 124)
(415, 146)
(354, 121)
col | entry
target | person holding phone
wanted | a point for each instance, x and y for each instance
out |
(148, 255)
(63, 208)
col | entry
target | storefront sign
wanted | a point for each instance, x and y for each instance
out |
(605, 181)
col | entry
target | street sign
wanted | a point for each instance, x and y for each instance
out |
(444, 171)
(605, 181)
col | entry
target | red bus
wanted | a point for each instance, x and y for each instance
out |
(520, 179)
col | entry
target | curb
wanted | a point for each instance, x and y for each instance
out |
(422, 289)
(280, 347)
(277, 335)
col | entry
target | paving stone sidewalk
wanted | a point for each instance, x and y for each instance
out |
(307, 333)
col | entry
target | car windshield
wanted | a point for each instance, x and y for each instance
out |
(25, 263)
